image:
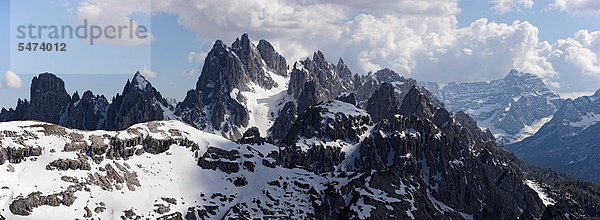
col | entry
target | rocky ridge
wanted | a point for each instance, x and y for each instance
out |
(569, 142)
(513, 107)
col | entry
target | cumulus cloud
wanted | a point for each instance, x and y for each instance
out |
(147, 72)
(11, 80)
(504, 6)
(191, 72)
(578, 7)
(419, 39)
(115, 13)
(194, 57)
(574, 95)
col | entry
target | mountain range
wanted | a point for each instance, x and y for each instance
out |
(570, 142)
(259, 138)
(513, 107)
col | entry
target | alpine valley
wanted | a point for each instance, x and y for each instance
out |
(261, 138)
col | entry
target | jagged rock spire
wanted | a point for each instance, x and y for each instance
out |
(383, 103)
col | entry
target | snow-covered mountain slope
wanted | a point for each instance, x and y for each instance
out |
(150, 170)
(335, 163)
(237, 89)
(569, 142)
(513, 107)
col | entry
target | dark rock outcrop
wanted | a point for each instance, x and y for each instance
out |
(81, 163)
(332, 120)
(348, 98)
(252, 136)
(252, 60)
(383, 103)
(48, 98)
(423, 141)
(287, 117)
(215, 158)
(139, 102)
(272, 58)
(24, 205)
(325, 80)
(14, 114)
(86, 113)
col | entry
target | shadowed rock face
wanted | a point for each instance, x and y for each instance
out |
(48, 98)
(14, 114)
(272, 58)
(217, 102)
(348, 98)
(253, 63)
(423, 143)
(383, 103)
(139, 102)
(287, 117)
(319, 80)
(252, 136)
(86, 113)
(569, 142)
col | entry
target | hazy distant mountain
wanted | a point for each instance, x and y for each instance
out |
(570, 142)
(513, 107)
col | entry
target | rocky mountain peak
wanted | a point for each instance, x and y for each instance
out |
(596, 95)
(273, 59)
(253, 63)
(86, 113)
(88, 94)
(383, 103)
(14, 114)
(512, 107)
(327, 79)
(388, 75)
(343, 70)
(319, 59)
(416, 103)
(75, 97)
(140, 102)
(48, 97)
(227, 72)
(243, 43)
(514, 72)
(139, 81)
(565, 142)
(219, 44)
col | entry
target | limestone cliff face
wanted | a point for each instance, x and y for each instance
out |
(139, 102)
(48, 98)
(417, 141)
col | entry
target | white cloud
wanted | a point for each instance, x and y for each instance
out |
(578, 7)
(105, 13)
(504, 6)
(12, 80)
(194, 57)
(147, 72)
(574, 95)
(419, 39)
(191, 72)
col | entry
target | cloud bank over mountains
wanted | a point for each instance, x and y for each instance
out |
(420, 39)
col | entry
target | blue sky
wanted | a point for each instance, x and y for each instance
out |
(426, 40)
